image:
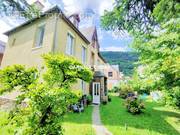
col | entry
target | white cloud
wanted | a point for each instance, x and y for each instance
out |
(100, 34)
(98, 6)
(114, 49)
(105, 5)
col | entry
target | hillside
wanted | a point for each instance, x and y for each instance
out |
(125, 60)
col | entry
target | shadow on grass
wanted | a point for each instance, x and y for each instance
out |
(78, 123)
(79, 118)
(154, 118)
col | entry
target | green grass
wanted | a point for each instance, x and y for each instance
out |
(73, 123)
(156, 119)
(79, 124)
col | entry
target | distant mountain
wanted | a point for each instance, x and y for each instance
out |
(125, 60)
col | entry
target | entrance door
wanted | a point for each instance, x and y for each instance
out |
(96, 93)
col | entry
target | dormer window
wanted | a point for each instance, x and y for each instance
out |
(70, 44)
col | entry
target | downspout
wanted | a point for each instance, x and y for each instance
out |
(55, 35)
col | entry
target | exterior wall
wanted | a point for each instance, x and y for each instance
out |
(23, 52)
(97, 60)
(62, 30)
(1, 56)
(20, 48)
(60, 47)
(2, 48)
(114, 80)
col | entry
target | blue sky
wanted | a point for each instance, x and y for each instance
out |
(90, 12)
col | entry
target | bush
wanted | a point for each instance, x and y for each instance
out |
(109, 99)
(172, 97)
(48, 99)
(89, 99)
(142, 91)
(125, 89)
(115, 89)
(104, 102)
(124, 93)
(134, 105)
(176, 96)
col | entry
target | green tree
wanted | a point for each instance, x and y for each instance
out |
(47, 100)
(139, 15)
(8, 7)
(157, 43)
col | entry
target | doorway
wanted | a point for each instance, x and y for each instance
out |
(96, 93)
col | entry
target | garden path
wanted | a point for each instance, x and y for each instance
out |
(96, 122)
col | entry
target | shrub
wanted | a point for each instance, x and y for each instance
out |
(48, 100)
(176, 96)
(125, 89)
(89, 99)
(124, 93)
(172, 97)
(134, 105)
(142, 91)
(115, 89)
(109, 99)
(104, 102)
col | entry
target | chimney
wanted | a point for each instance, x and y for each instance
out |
(75, 19)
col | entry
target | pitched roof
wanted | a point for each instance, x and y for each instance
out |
(89, 34)
(99, 74)
(54, 9)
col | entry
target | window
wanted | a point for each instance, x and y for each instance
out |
(39, 36)
(110, 74)
(83, 87)
(70, 44)
(83, 55)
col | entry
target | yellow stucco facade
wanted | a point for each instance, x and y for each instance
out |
(20, 47)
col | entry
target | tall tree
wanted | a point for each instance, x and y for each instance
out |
(139, 15)
(155, 26)
(8, 7)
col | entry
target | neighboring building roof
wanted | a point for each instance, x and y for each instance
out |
(2, 46)
(88, 32)
(99, 74)
(54, 9)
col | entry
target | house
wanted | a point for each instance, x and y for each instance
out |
(54, 32)
(99, 83)
(2, 48)
(114, 76)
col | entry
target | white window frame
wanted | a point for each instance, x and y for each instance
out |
(39, 36)
(83, 87)
(84, 54)
(70, 47)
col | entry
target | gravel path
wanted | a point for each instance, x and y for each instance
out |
(97, 125)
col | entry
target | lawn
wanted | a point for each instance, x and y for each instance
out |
(73, 123)
(156, 119)
(79, 124)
